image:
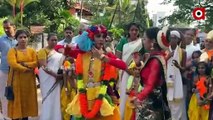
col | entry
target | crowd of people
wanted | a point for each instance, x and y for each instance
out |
(160, 75)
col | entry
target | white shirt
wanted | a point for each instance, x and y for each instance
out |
(73, 41)
(190, 49)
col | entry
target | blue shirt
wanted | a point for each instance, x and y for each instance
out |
(5, 44)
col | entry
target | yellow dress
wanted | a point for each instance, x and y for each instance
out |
(65, 100)
(107, 111)
(43, 54)
(24, 84)
(195, 111)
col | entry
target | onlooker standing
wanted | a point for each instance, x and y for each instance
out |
(7, 41)
(124, 50)
(190, 47)
(68, 33)
(50, 61)
(187, 77)
(175, 65)
(208, 52)
(22, 61)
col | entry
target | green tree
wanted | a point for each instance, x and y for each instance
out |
(4, 6)
(20, 4)
(13, 4)
(1, 28)
(53, 14)
(184, 13)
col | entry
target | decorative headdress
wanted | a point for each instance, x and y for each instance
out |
(163, 38)
(85, 41)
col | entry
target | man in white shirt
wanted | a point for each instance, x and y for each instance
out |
(190, 47)
(68, 33)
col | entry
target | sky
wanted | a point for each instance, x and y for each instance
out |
(154, 6)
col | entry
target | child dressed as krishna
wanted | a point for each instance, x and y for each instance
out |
(96, 71)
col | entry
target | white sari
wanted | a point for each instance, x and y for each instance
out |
(128, 50)
(51, 108)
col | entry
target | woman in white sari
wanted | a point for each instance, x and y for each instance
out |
(124, 50)
(50, 62)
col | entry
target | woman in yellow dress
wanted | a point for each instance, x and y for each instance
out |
(93, 69)
(22, 61)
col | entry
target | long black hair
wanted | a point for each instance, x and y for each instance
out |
(152, 33)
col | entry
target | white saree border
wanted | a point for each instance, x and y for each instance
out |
(128, 50)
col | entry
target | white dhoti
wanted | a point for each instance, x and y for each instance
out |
(175, 86)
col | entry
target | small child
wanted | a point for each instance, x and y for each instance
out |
(199, 105)
(133, 88)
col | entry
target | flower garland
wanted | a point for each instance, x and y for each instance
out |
(82, 90)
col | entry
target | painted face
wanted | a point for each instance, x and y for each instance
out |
(52, 41)
(133, 32)
(148, 44)
(22, 39)
(9, 29)
(99, 40)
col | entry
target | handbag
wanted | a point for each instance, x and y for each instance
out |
(9, 94)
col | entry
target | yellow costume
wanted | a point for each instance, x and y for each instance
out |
(195, 111)
(65, 100)
(43, 54)
(130, 108)
(24, 84)
(107, 110)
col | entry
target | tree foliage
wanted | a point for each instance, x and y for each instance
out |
(1, 28)
(184, 13)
